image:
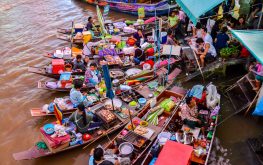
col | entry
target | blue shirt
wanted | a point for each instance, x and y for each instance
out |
(221, 41)
(76, 97)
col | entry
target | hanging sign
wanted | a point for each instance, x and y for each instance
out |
(141, 12)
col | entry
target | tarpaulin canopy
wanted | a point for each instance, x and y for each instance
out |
(252, 40)
(195, 8)
(174, 153)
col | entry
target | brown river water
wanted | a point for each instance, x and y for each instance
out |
(27, 31)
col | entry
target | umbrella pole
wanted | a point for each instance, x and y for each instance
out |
(131, 119)
(112, 104)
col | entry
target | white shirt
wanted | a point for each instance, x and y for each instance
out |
(211, 50)
(87, 49)
(208, 38)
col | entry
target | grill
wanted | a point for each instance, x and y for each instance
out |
(135, 139)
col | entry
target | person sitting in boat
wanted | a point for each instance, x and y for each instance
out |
(138, 37)
(189, 114)
(90, 24)
(87, 61)
(76, 97)
(170, 39)
(92, 75)
(173, 21)
(97, 157)
(258, 70)
(84, 120)
(206, 36)
(205, 50)
(139, 55)
(78, 64)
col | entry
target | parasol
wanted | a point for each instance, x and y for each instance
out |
(58, 114)
(107, 79)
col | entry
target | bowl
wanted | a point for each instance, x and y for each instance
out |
(49, 128)
(142, 101)
(126, 149)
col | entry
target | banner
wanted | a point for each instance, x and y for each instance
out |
(141, 13)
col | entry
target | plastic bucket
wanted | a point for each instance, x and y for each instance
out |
(164, 37)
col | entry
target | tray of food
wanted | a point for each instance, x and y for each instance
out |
(135, 139)
(106, 115)
(116, 73)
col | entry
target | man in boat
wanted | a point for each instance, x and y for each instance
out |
(205, 50)
(92, 75)
(78, 64)
(206, 36)
(189, 114)
(258, 70)
(76, 97)
(84, 121)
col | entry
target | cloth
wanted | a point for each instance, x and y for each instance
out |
(92, 77)
(77, 119)
(189, 114)
(209, 24)
(87, 49)
(196, 91)
(79, 65)
(57, 141)
(76, 98)
(221, 40)
(208, 38)
(173, 20)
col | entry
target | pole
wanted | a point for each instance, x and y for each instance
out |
(130, 119)
(259, 21)
(252, 103)
(71, 36)
(199, 66)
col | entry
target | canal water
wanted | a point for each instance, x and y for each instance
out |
(27, 31)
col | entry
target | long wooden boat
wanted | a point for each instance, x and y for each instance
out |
(142, 142)
(159, 8)
(107, 129)
(193, 158)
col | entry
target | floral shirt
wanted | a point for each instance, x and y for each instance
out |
(188, 113)
(93, 77)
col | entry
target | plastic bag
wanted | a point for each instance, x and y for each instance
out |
(259, 108)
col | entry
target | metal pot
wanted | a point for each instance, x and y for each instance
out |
(126, 149)
(116, 82)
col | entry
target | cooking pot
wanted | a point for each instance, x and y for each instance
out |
(126, 149)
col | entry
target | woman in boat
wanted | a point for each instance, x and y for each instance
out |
(241, 25)
(83, 120)
(173, 20)
(138, 36)
(258, 70)
(76, 97)
(78, 64)
(205, 50)
(92, 75)
(189, 114)
(97, 158)
(139, 55)
(90, 24)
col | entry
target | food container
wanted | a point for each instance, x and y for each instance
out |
(58, 66)
(116, 102)
(126, 149)
(133, 105)
(142, 101)
(115, 82)
(49, 128)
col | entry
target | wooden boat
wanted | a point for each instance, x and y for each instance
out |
(172, 127)
(107, 129)
(159, 8)
(131, 137)
(43, 71)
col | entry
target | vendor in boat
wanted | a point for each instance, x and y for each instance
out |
(258, 70)
(170, 39)
(97, 157)
(139, 55)
(138, 36)
(76, 97)
(205, 50)
(84, 120)
(78, 64)
(90, 24)
(92, 75)
(189, 114)
(173, 21)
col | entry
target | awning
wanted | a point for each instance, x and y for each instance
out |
(195, 8)
(252, 40)
(174, 153)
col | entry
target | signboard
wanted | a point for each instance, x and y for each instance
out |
(141, 12)
(106, 11)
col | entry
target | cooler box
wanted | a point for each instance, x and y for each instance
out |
(78, 28)
(58, 65)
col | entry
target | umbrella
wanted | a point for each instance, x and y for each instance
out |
(58, 114)
(101, 22)
(107, 79)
